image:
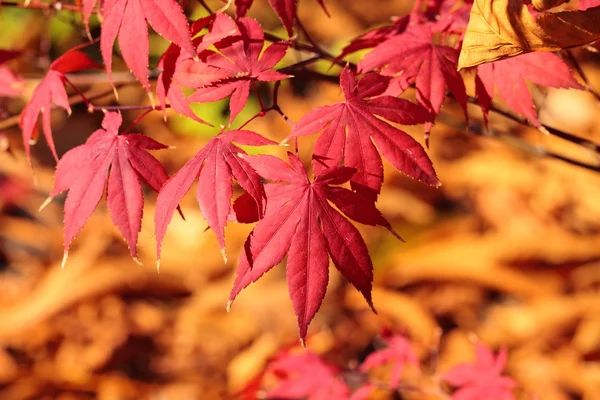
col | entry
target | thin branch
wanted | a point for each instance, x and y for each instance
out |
(57, 6)
(575, 64)
(538, 151)
(310, 48)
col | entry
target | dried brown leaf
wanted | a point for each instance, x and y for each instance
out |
(500, 29)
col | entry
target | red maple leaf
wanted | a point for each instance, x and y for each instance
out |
(86, 8)
(306, 375)
(351, 127)
(412, 57)
(11, 85)
(398, 353)
(122, 160)
(214, 167)
(286, 10)
(300, 222)
(376, 36)
(508, 77)
(179, 69)
(481, 380)
(240, 60)
(51, 90)
(127, 20)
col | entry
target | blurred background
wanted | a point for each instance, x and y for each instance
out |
(507, 250)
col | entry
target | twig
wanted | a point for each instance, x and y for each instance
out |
(58, 6)
(515, 141)
(575, 64)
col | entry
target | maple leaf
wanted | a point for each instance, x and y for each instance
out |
(412, 57)
(127, 20)
(51, 90)
(545, 69)
(500, 29)
(179, 69)
(214, 166)
(376, 36)
(241, 61)
(351, 127)
(86, 8)
(300, 222)
(11, 85)
(398, 353)
(481, 380)
(286, 10)
(120, 160)
(306, 375)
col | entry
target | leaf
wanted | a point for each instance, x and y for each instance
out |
(178, 69)
(351, 127)
(108, 158)
(481, 380)
(398, 353)
(286, 11)
(126, 19)
(239, 62)
(508, 77)
(412, 57)
(499, 29)
(86, 8)
(51, 90)
(11, 85)
(214, 166)
(306, 375)
(376, 36)
(300, 222)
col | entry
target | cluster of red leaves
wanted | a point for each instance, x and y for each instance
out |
(307, 376)
(415, 50)
(219, 57)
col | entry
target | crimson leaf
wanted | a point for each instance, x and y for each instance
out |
(286, 10)
(11, 85)
(545, 69)
(398, 353)
(412, 57)
(178, 69)
(214, 166)
(300, 221)
(481, 380)
(51, 90)
(127, 20)
(306, 376)
(240, 61)
(121, 160)
(351, 127)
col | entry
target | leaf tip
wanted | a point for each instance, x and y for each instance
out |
(45, 203)
(64, 259)
(303, 342)
(228, 306)
(138, 261)
(224, 254)
(152, 100)
(158, 266)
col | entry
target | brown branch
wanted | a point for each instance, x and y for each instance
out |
(57, 5)
(575, 64)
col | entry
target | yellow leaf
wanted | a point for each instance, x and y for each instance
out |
(500, 29)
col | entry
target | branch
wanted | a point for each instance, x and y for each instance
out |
(515, 141)
(56, 6)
